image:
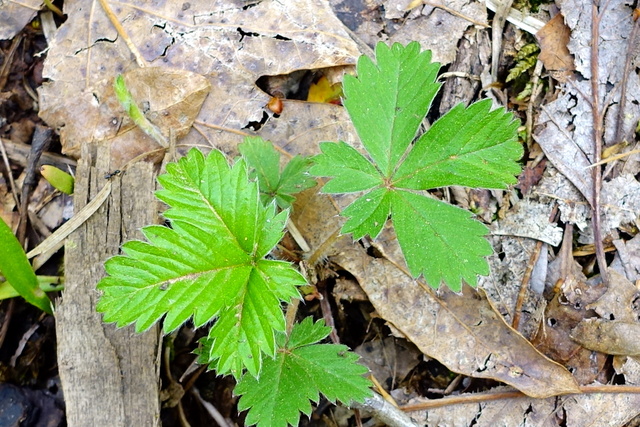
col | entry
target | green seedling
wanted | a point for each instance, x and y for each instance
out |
(15, 268)
(59, 179)
(275, 184)
(135, 113)
(473, 146)
(212, 266)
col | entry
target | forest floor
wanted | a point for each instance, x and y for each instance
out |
(546, 339)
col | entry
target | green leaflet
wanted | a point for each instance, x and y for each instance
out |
(15, 268)
(301, 370)
(470, 146)
(209, 265)
(275, 185)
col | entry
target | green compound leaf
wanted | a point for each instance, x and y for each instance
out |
(473, 147)
(263, 158)
(440, 240)
(209, 265)
(298, 374)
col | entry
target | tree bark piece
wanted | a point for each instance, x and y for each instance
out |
(110, 377)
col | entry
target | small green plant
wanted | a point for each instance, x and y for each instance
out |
(211, 266)
(472, 147)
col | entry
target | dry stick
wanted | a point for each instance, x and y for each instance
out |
(39, 143)
(597, 141)
(456, 13)
(497, 27)
(536, 88)
(12, 183)
(8, 60)
(123, 33)
(487, 397)
(631, 49)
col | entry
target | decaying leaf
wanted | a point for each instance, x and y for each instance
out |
(232, 45)
(14, 15)
(562, 314)
(553, 38)
(608, 336)
(462, 331)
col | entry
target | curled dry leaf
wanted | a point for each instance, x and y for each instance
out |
(14, 15)
(463, 332)
(618, 329)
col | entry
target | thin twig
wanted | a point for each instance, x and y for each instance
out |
(501, 395)
(497, 27)
(597, 141)
(631, 50)
(533, 260)
(452, 12)
(123, 33)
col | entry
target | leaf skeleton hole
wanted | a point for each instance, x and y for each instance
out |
(485, 363)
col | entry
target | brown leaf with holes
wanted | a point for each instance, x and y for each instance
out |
(608, 336)
(554, 53)
(231, 44)
(618, 329)
(563, 313)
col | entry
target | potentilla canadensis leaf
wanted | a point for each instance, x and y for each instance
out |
(301, 370)
(471, 146)
(209, 265)
(389, 99)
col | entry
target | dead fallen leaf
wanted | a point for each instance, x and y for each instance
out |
(461, 331)
(554, 54)
(233, 45)
(620, 301)
(14, 15)
(562, 314)
(608, 336)
(435, 28)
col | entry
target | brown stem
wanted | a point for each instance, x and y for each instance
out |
(597, 142)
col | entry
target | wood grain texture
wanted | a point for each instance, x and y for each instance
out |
(110, 376)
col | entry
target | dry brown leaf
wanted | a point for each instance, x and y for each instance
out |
(436, 28)
(620, 301)
(232, 44)
(171, 100)
(14, 15)
(554, 53)
(608, 336)
(554, 337)
(462, 331)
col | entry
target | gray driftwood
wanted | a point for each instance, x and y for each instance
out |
(109, 376)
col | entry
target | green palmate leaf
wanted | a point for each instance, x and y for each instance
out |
(262, 157)
(298, 374)
(472, 146)
(210, 264)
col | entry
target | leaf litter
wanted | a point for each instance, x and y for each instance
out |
(303, 117)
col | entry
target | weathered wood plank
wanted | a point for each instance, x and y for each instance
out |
(110, 377)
